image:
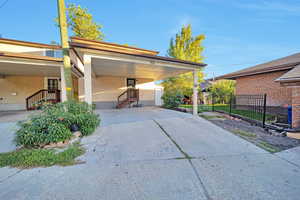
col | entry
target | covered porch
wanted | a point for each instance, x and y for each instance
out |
(28, 80)
(111, 70)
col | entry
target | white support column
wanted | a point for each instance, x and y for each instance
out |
(195, 93)
(88, 79)
(63, 91)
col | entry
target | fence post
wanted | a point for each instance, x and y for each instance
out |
(230, 104)
(213, 102)
(265, 108)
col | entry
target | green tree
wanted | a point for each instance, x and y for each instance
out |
(189, 48)
(81, 22)
(222, 90)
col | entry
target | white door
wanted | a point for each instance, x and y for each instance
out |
(158, 95)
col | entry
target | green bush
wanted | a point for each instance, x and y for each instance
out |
(172, 99)
(53, 124)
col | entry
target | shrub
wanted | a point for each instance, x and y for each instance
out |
(172, 99)
(53, 124)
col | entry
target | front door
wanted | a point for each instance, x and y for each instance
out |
(132, 92)
(52, 85)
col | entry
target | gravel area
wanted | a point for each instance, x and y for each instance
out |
(250, 132)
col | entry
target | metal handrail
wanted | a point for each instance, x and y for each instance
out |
(131, 94)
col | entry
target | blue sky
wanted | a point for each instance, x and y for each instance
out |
(239, 33)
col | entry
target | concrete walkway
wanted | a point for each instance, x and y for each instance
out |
(8, 126)
(151, 153)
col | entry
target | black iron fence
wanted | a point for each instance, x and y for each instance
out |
(253, 108)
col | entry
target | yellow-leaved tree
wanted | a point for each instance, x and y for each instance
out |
(185, 47)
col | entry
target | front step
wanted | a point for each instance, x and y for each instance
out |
(126, 103)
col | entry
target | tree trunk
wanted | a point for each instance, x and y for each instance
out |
(65, 46)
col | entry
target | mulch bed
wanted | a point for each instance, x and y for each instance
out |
(234, 125)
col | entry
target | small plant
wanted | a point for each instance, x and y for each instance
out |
(172, 99)
(54, 123)
(268, 147)
(244, 133)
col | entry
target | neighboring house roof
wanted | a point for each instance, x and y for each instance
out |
(292, 75)
(29, 44)
(123, 49)
(281, 64)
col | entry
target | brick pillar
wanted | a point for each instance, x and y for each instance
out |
(296, 107)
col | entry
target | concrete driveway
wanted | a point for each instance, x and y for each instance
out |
(151, 154)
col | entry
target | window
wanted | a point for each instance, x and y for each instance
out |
(131, 82)
(54, 53)
(50, 53)
(52, 84)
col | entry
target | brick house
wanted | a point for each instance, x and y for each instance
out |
(279, 79)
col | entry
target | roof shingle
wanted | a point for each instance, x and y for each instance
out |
(284, 63)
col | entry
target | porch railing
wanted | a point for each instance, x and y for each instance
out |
(39, 98)
(128, 97)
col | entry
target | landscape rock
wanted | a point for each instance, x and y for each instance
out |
(277, 133)
(74, 140)
(77, 134)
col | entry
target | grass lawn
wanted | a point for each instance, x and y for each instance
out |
(28, 158)
(225, 108)
(201, 108)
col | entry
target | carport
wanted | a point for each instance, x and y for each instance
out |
(106, 59)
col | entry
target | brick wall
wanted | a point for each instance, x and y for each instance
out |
(296, 107)
(264, 83)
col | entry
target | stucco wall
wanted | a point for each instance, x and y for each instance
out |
(106, 90)
(15, 89)
(264, 83)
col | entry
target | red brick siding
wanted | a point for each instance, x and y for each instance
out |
(296, 107)
(264, 83)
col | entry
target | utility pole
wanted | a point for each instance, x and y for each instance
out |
(67, 73)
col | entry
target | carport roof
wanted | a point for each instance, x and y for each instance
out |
(12, 63)
(29, 44)
(29, 56)
(77, 42)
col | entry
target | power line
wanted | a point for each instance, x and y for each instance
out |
(3, 4)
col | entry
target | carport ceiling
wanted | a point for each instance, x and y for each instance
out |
(106, 67)
(7, 68)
